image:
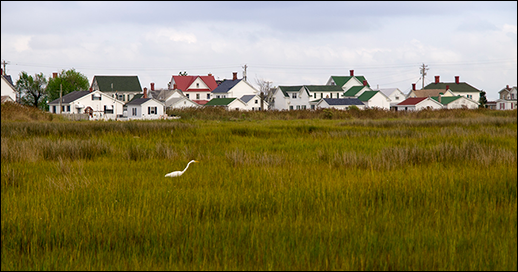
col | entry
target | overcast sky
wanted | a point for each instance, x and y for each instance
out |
(287, 43)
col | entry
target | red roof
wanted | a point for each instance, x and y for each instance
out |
(412, 101)
(197, 90)
(201, 102)
(183, 82)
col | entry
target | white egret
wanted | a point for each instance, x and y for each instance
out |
(179, 173)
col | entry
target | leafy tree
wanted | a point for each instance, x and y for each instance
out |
(70, 81)
(482, 100)
(32, 89)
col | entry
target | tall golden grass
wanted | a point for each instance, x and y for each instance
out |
(271, 191)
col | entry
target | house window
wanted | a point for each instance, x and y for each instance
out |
(68, 108)
(321, 95)
(54, 109)
(198, 95)
(315, 95)
(208, 96)
(151, 110)
(108, 109)
(197, 85)
(256, 101)
(96, 97)
(187, 95)
(298, 107)
(217, 96)
(294, 95)
(469, 96)
(312, 107)
(291, 107)
(134, 111)
(62, 108)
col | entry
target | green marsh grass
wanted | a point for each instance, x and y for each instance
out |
(403, 192)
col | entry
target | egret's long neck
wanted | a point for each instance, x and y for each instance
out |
(187, 166)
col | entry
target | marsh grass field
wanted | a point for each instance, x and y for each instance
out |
(324, 190)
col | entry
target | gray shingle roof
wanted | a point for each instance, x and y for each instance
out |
(226, 85)
(343, 101)
(246, 98)
(138, 101)
(70, 97)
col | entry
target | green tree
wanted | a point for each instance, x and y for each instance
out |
(482, 100)
(31, 90)
(70, 81)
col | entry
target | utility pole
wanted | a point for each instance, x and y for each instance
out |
(4, 63)
(60, 98)
(424, 68)
(244, 72)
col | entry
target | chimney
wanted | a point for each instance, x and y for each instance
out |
(365, 83)
(152, 86)
(210, 74)
(351, 72)
(447, 87)
(175, 86)
(234, 75)
(54, 75)
(507, 87)
(2, 73)
(413, 86)
(145, 93)
(457, 79)
(436, 79)
(90, 89)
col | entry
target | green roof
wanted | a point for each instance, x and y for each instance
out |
(219, 101)
(323, 88)
(462, 87)
(445, 100)
(341, 80)
(365, 96)
(286, 89)
(353, 90)
(120, 83)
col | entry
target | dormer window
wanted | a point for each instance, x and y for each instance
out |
(197, 85)
(294, 95)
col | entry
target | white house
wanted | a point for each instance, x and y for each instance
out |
(456, 87)
(507, 99)
(456, 102)
(253, 102)
(8, 88)
(346, 82)
(418, 103)
(375, 99)
(95, 103)
(324, 91)
(173, 99)
(339, 103)
(229, 103)
(144, 108)
(122, 87)
(394, 94)
(234, 88)
(290, 98)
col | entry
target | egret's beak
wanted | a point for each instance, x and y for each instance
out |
(196, 161)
